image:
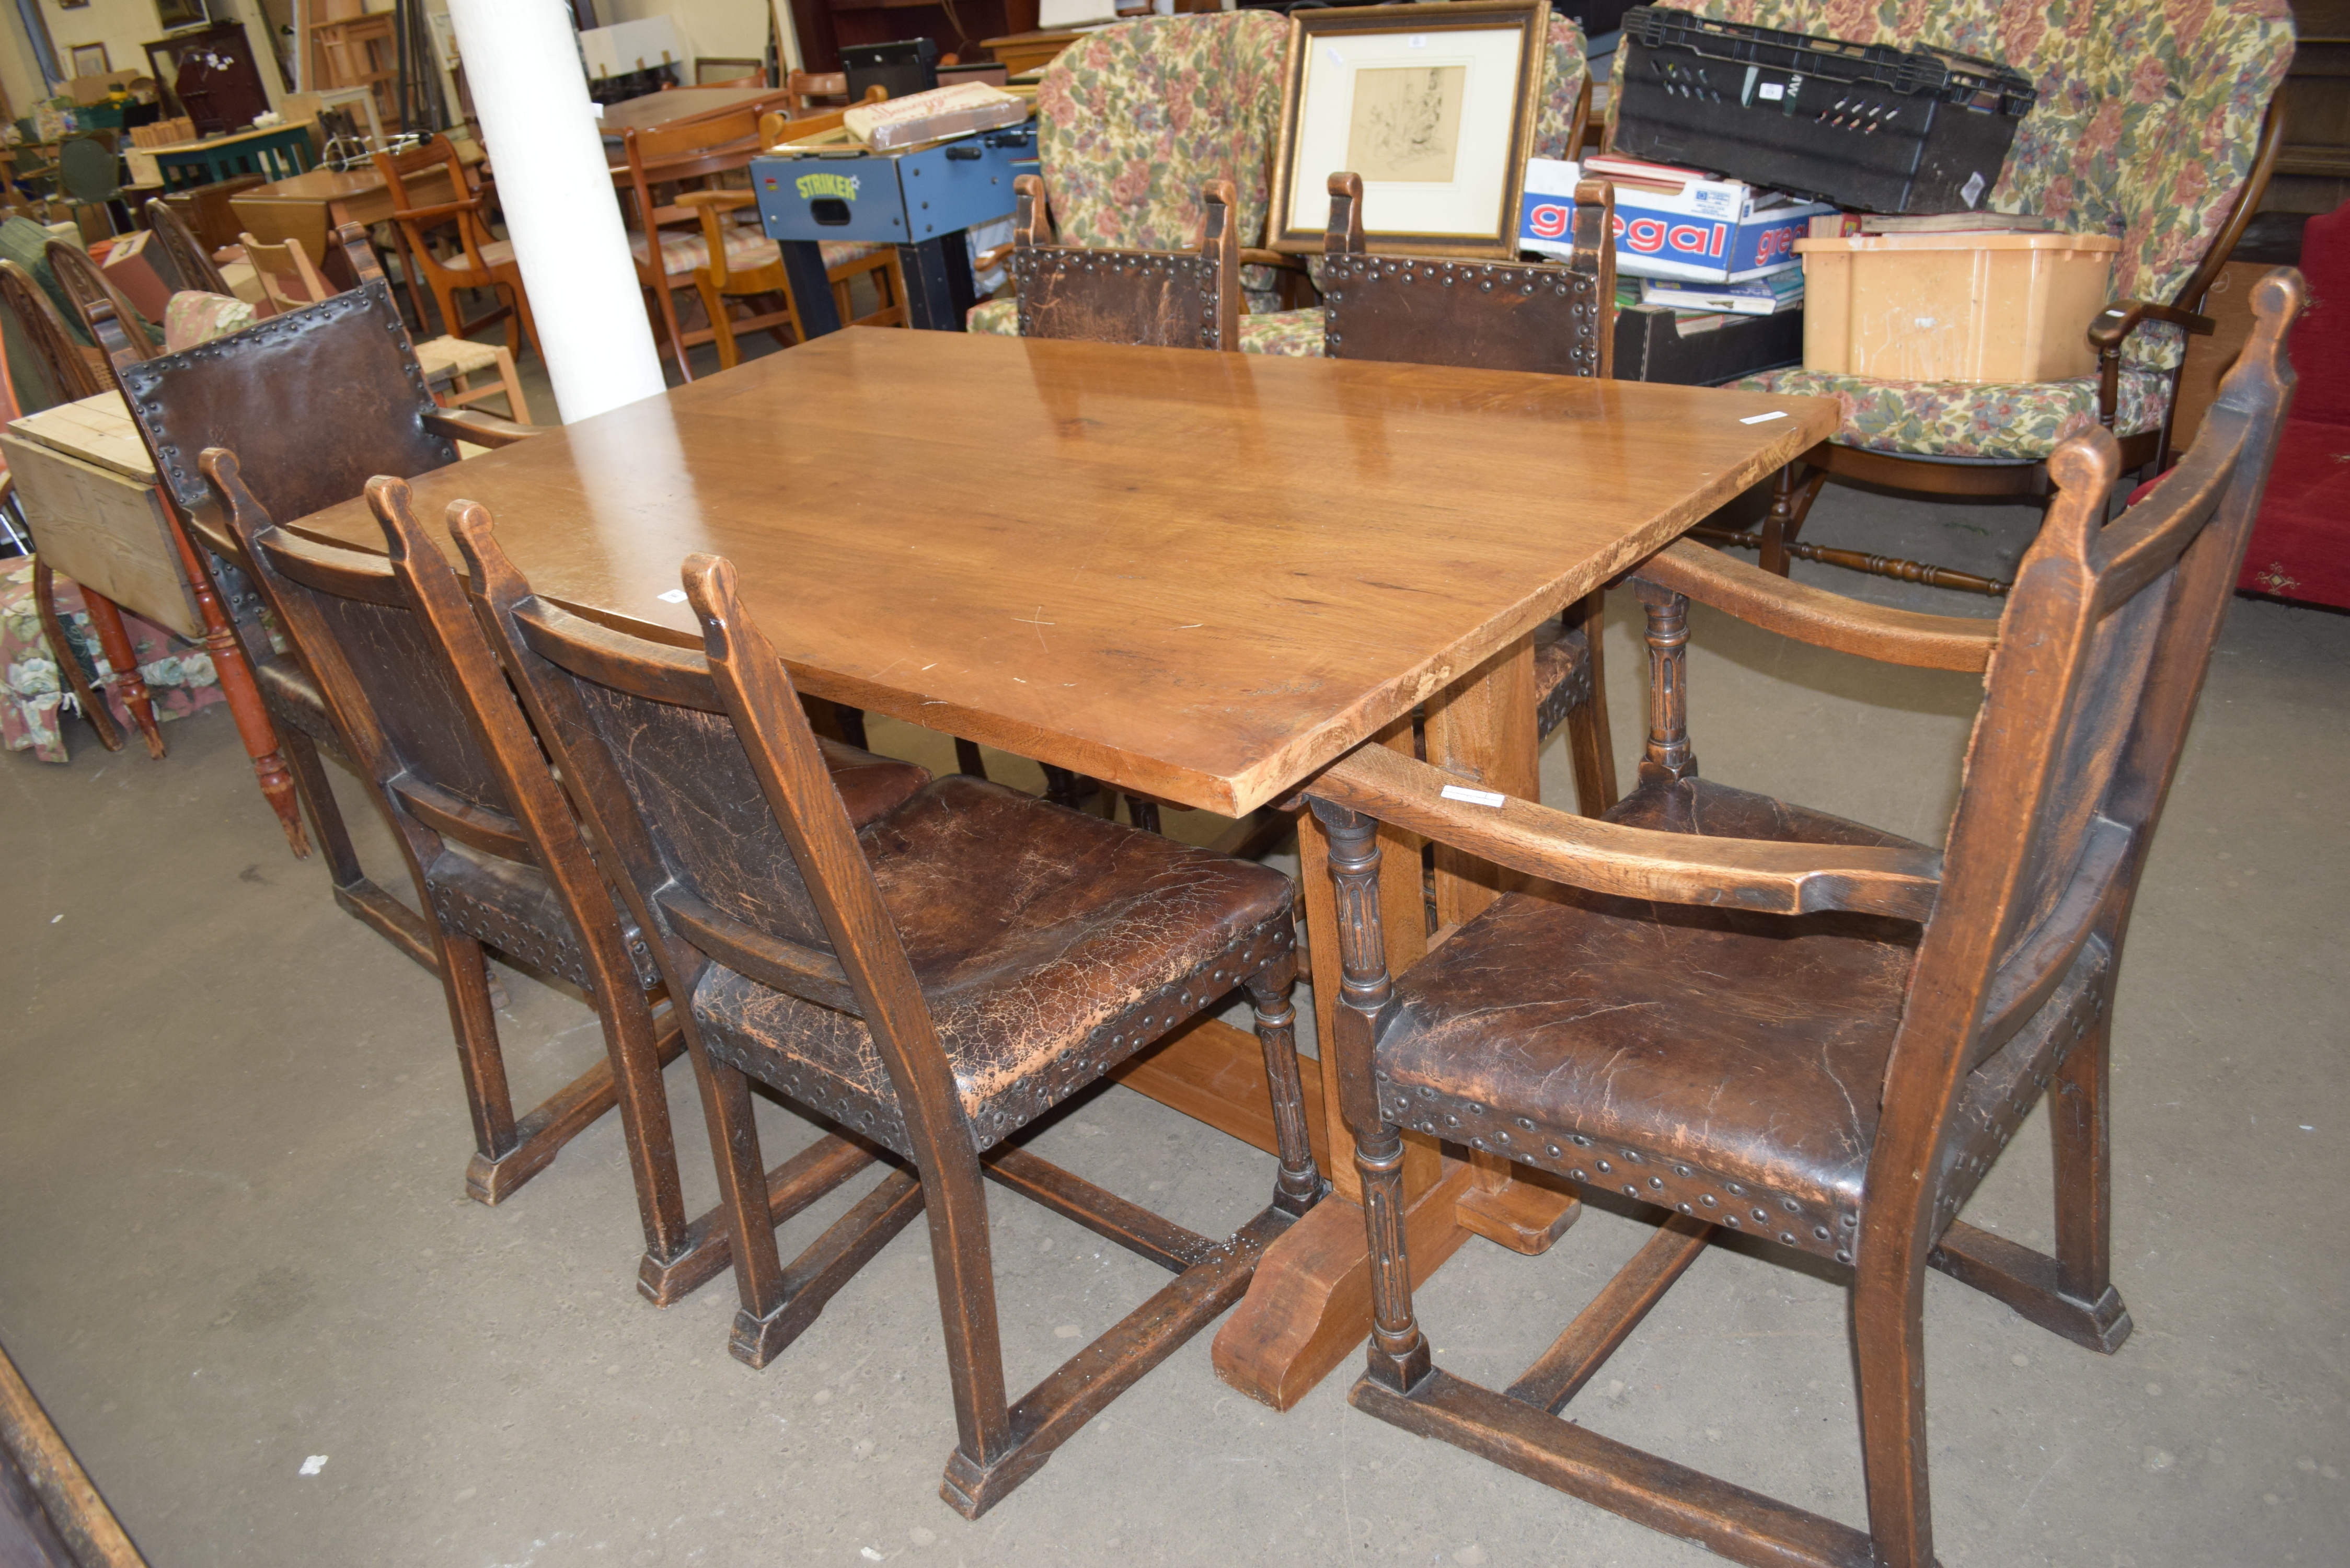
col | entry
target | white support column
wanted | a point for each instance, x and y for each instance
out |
(522, 64)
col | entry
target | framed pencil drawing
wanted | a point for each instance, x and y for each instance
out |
(1433, 106)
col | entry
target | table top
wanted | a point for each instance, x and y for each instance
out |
(341, 184)
(206, 144)
(1195, 574)
(681, 103)
(97, 429)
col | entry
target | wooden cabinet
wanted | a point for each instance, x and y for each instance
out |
(210, 72)
(363, 52)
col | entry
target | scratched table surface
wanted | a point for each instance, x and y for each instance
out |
(1194, 574)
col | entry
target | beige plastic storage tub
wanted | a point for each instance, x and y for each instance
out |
(1954, 307)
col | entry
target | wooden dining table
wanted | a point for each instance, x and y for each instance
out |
(1195, 575)
(679, 105)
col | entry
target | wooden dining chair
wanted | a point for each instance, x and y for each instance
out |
(667, 234)
(1753, 1017)
(736, 261)
(1162, 299)
(290, 282)
(197, 270)
(1552, 319)
(88, 287)
(933, 984)
(468, 257)
(315, 402)
(812, 91)
(423, 712)
(45, 368)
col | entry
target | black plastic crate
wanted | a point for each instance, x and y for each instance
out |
(1864, 126)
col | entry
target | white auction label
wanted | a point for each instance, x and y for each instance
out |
(1763, 419)
(1473, 796)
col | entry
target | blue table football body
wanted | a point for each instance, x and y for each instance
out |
(921, 200)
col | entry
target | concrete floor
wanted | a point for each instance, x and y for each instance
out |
(235, 1247)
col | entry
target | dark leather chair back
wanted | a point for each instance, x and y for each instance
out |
(314, 403)
(1161, 299)
(1552, 318)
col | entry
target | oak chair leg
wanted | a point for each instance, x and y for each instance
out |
(1888, 1333)
(93, 706)
(1300, 1185)
(1791, 503)
(122, 657)
(2078, 1122)
(1668, 756)
(1398, 1354)
(968, 761)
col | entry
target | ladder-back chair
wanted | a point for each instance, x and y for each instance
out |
(1759, 1018)
(934, 984)
(470, 256)
(189, 259)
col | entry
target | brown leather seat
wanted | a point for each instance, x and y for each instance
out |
(1644, 1008)
(1045, 941)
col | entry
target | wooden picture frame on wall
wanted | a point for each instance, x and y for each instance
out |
(1434, 106)
(181, 13)
(89, 60)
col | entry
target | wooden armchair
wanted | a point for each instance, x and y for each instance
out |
(423, 712)
(1758, 1018)
(2174, 170)
(933, 983)
(1551, 319)
(1121, 100)
(468, 257)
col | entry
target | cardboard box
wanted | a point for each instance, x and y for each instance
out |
(1955, 307)
(129, 268)
(99, 88)
(1706, 231)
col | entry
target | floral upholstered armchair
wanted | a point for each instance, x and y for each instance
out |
(1136, 119)
(2148, 127)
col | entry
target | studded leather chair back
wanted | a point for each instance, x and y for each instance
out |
(1552, 318)
(1162, 299)
(313, 402)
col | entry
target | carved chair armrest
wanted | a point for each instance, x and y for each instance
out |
(2112, 326)
(437, 210)
(1759, 874)
(480, 429)
(1817, 616)
(993, 257)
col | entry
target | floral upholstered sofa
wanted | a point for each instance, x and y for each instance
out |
(1134, 119)
(2148, 119)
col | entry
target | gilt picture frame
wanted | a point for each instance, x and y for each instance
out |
(1434, 106)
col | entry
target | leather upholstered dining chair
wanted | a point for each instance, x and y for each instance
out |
(1161, 299)
(933, 983)
(1550, 319)
(425, 714)
(1755, 1017)
(314, 403)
